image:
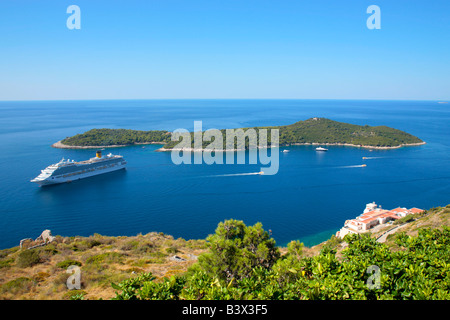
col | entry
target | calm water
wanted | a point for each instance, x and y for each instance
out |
(309, 199)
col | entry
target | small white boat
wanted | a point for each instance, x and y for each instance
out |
(321, 149)
(285, 151)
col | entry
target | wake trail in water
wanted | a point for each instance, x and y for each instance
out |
(236, 174)
(355, 166)
(370, 158)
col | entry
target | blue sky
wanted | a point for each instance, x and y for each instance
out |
(175, 49)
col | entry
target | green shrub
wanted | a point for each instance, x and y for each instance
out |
(196, 244)
(334, 242)
(40, 276)
(28, 258)
(144, 247)
(85, 244)
(405, 219)
(295, 249)
(235, 249)
(129, 245)
(130, 287)
(67, 263)
(106, 257)
(419, 270)
(6, 263)
(74, 295)
(18, 286)
(171, 250)
(91, 243)
(5, 252)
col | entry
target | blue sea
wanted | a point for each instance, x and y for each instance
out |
(308, 199)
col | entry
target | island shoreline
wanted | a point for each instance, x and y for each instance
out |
(297, 144)
(60, 145)
(306, 132)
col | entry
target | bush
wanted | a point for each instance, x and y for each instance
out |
(18, 286)
(295, 249)
(107, 257)
(129, 245)
(420, 270)
(67, 263)
(130, 287)
(405, 219)
(171, 249)
(28, 258)
(85, 244)
(6, 263)
(5, 252)
(40, 276)
(144, 247)
(235, 249)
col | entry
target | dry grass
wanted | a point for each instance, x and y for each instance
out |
(40, 273)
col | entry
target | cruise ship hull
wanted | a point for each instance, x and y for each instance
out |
(58, 180)
(68, 171)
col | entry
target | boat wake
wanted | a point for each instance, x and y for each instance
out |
(355, 166)
(370, 158)
(239, 174)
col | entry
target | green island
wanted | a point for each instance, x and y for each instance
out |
(237, 262)
(113, 137)
(311, 131)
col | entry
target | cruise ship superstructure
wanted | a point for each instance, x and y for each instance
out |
(70, 170)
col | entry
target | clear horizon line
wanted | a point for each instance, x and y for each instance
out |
(144, 99)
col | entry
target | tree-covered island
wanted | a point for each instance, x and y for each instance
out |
(310, 131)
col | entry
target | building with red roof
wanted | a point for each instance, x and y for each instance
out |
(374, 215)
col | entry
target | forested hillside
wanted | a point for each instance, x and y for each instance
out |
(109, 137)
(314, 130)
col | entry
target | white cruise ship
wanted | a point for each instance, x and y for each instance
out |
(69, 170)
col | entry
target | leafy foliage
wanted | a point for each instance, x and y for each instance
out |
(420, 270)
(236, 249)
(130, 288)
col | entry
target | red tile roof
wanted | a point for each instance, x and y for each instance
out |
(370, 216)
(398, 210)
